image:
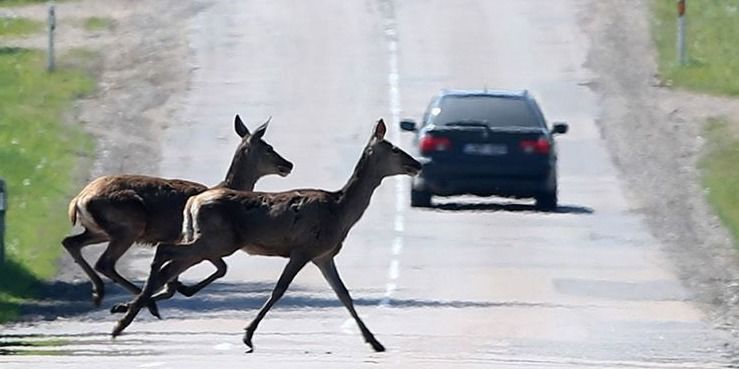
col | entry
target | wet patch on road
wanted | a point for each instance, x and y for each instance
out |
(69, 345)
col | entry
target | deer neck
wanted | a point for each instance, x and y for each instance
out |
(239, 179)
(357, 193)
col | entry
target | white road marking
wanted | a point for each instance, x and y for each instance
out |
(223, 346)
(152, 364)
(397, 246)
(394, 270)
(393, 79)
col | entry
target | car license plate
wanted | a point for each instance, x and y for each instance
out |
(485, 149)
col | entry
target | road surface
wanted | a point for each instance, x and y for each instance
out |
(486, 283)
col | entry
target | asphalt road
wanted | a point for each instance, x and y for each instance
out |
(471, 283)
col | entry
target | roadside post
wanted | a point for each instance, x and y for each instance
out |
(682, 54)
(52, 26)
(3, 206)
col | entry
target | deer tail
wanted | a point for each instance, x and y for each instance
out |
(187, 226)
(72, 211)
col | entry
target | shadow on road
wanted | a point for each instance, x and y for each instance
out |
(69, 299)
(512, 207)
(73, 299)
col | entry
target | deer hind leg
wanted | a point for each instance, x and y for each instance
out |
(188, 291)
(329, 271)
(158, 277)
(106, 263)
(164, 253)
(174, 286)
(74, 245)
(221, 269)
(294, 265)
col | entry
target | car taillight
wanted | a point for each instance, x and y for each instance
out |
(429, 144)
(540, 146)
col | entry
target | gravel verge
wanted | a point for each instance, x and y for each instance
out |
(654, 134)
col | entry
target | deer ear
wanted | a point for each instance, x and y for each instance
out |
(380, 130)
(259, 132)
(240, 128)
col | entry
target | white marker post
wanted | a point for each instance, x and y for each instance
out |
(682, 53)
(52, 25)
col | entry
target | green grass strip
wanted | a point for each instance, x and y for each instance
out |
(97, 23)
(21, 2)
(720, 174)
(38, 154)
(712, 38)
(19, 26)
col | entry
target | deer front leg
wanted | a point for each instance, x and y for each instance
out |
(164, 253)
(169, 290)
(329, 271)
(74, 245)
(106, 266)
(156, 281)
(176, 286)
(221, 269)
(294, 265)
(158, 276)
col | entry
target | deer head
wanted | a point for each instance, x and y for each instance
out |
(386, 158)
(255, 158)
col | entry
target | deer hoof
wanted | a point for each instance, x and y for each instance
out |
(97, 298)
(247, 340)
(377, 346)
(186, 291)
(119, 309)
(122, 324)
(154, 310)
(117, 330)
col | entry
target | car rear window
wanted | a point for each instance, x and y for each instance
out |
(491, 110)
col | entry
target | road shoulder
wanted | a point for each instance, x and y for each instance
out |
(655, 137)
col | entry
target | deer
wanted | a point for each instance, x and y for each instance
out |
(304, 225)
(124, 209)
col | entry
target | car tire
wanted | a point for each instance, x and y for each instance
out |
(547, 201)
(420, 199)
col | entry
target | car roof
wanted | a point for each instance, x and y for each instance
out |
(485, 92)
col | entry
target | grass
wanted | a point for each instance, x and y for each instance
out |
(28, 346)
(19, 26)
(720, 173)
(20, 2)
(97, 23)
(712, 38)
(712, 35)
(38, 154)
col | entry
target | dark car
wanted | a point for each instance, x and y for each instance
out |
(485, 143)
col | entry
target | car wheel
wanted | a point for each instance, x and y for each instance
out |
(547, 201)
(420, 199)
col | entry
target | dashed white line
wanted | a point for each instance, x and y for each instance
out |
(393, 79)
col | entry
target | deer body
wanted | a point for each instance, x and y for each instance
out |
(255, 222)
(302, 225)
(124, 209)
(156, 201)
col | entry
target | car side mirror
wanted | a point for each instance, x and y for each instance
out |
(408, 125)
(559, 128)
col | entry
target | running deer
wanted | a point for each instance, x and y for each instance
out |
(124, 209)
(302, 225)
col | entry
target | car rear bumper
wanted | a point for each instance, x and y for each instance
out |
(444, 181)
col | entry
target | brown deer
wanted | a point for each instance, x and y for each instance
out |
(301, 225)
(124, 209)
